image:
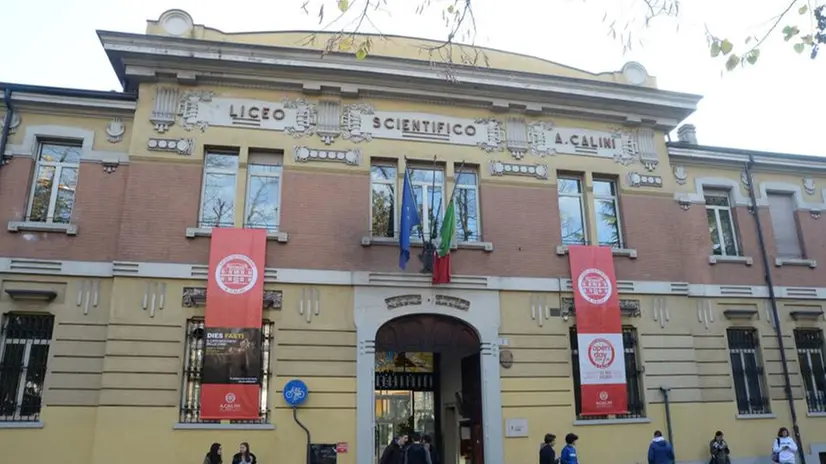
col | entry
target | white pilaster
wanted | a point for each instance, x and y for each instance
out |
(492, 402)
(365, 399)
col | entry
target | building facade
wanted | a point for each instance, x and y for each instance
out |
(109, 200)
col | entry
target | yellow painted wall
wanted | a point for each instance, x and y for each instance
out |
(684, 354)
(113, 386)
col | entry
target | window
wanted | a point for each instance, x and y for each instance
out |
(218, 191)
(633, 377)
(606, 206)
(721, 224)
(784, 225)
(263, 199)
(467, 206)
(810, 355)
(428, 185)
(194, 361)
(24, 352)
(571, 211)
(383, 200)
(55, 182)
(747, 370)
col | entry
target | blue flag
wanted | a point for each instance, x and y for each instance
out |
(409, 219)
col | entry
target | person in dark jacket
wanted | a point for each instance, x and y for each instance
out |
(416, 452)
(427, 440)
(547, 455)
(393, 453)
(244, 455)
(569, 455)
(660, 451)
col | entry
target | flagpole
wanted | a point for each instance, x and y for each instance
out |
(432, 217)
(412, 194)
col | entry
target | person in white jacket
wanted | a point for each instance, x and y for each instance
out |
(784, 447)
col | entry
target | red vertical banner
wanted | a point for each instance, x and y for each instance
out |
(599, 331)
(231, 375)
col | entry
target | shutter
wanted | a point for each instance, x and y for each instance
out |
(784, 225)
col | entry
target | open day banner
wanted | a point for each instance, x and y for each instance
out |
(230, 384)
(599, 331)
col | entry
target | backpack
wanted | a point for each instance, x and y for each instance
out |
(776, 456)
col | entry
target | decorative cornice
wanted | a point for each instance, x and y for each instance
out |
(148, 53)
(190, 272)
(737, 159)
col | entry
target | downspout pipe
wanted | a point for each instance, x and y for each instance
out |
(775, 315)
(4, 136)
(665, 391)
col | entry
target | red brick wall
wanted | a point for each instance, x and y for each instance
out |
(96, 212)
(141, 212)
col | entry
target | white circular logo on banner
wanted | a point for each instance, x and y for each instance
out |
(594, 286)
(601, 353)
(230, 398)
(603, 395)
(236, 274)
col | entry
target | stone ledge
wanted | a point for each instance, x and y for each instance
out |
(816, 414)
(641, 420)
(192, 232)
(22, 425)
(720, 259)
(562, 250)
(34, 226)
(189, 426)
(811, 263)
(755, 416)
(368, 240)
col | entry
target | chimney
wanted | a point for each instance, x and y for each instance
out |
(687, 133)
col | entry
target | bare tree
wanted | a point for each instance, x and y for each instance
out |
(803, 26)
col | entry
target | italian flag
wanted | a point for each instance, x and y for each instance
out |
(441, 261)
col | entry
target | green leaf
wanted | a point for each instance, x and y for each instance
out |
(789, 32)
(752, 57)
(803, 9)
(726, 47)
(799, 47)
(732, 62)
(808, 39)
(343, 5)
(715, 49)
(748, 39)
(450, 9)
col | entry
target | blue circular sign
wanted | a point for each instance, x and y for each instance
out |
(295, 392)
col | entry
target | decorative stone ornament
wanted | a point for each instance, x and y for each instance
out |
(15, 122)
(809, 185)
(110, 166)
(115, 130)
(176, 22)
(634, 73)
(165, 109)
(680, 174)
(302, 154)
(498, 168)
(179, 146)
(636, 179)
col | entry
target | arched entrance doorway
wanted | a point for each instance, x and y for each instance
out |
(428, 382)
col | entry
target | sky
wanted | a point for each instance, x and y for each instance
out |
(775, 106)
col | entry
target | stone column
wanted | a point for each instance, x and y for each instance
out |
(491, 402)
(365, 399)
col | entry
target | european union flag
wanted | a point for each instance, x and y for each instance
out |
(409, 220)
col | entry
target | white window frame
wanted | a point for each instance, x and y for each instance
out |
(27, 352)
(55, 181)
(727, 210)
(474, 187)
(276, 174)
(391, 182)
(208, 170)
(613, 198)
(581, 196)
(425, 186)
